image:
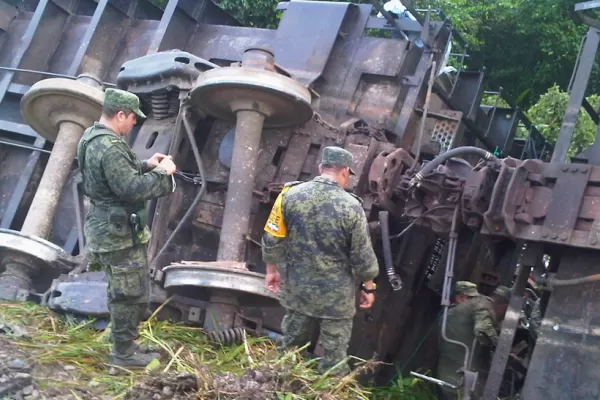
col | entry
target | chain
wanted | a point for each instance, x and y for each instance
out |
(319, 120)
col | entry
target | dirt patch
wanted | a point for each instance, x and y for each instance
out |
(255, 384)
(157, 387)
(22, 379)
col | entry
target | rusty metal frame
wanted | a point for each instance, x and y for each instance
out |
(528, 255)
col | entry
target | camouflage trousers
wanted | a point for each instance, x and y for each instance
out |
(297, 329)
(128, 294)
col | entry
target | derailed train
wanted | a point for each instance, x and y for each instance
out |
(244, 110)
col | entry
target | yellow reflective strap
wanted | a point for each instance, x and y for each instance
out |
(275, 224)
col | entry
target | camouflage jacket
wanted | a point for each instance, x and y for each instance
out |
(118, 183)
(467, 321)
(326, 247)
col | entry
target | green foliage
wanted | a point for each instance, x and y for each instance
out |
(526, 45)
(160, 3)
(407, 388)
(547, 115)
(255, 13)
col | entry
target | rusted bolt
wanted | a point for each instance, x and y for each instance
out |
(496, 228)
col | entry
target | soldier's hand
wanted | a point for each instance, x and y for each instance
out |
(273, 281)
(366, 300)
(168, 164)
(155, 160)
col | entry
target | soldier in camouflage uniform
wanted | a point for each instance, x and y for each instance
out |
(118, 184)
(464, 290)
(477, 318)
(316, 243)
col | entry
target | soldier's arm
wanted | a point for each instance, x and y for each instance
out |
(485, 326)
(127, 183)
(362, 256)
(273, 249)
(144, 166)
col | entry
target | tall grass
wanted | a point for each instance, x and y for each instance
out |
(55, 340)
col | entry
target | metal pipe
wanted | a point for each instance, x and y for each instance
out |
(236, 217)
(52, 74)
(433, 380)
(448, 284)
(24, 146)
(43, 207)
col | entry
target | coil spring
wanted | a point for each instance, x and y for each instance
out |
(173, 103)
(160, 105)
(227, 336)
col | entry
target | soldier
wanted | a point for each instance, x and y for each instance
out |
(317, 235)
(474, 319)
(118, 184)
(464, 290)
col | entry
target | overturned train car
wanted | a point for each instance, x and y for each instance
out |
(244, 110)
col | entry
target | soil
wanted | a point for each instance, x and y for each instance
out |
(22, 379)
(255, 384)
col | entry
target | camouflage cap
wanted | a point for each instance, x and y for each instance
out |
(122, 99)
(337, 157)
(467, 288)
(503, 291)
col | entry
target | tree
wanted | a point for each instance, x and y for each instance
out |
(547, 115)
(526, 45)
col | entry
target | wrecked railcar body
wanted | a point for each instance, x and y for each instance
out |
(244, 110)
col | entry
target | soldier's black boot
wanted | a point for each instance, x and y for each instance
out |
(131, 355)
(134, 360)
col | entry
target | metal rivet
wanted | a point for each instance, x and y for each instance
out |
(565, 168)
(593, 240)
(563, 236)
(583, 170)
(545, 234)
(574, 169)
(554, 235)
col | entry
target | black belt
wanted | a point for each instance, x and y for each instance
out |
(103, 211)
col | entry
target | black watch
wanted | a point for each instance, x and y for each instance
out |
(364, 288)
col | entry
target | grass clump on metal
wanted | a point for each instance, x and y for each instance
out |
(190, 367)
